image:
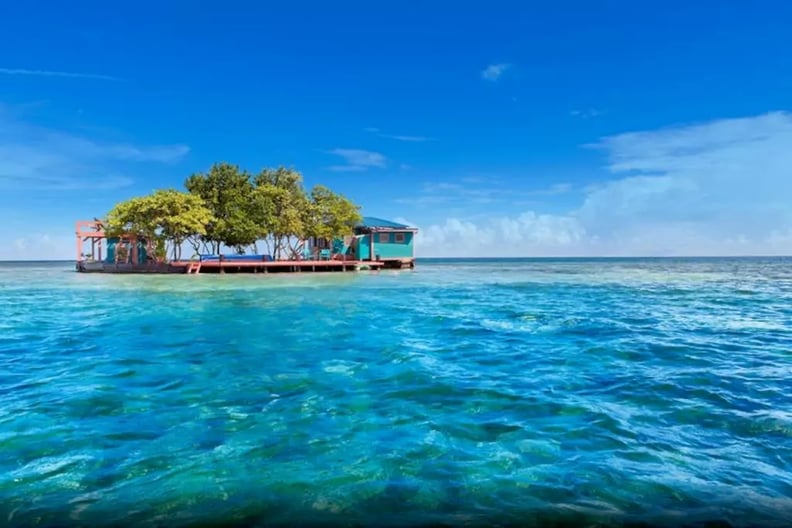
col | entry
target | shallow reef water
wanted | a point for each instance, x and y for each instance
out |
(463, 393)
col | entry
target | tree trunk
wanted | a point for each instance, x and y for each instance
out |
(195, 244)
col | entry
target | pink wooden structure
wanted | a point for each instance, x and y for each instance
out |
(93, 230)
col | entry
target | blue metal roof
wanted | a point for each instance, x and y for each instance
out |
(370, 221)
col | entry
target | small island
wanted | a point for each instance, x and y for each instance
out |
(226, 215)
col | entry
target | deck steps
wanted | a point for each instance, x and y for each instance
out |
(194, 268)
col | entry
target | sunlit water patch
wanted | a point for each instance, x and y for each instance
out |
(462, 393)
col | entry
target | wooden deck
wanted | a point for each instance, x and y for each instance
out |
(275, 266)
(194, 267)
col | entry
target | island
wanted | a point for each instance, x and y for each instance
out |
(226, 215)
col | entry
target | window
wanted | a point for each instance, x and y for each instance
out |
(399, 238)
(383, 238)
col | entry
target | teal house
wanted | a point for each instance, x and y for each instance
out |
(377, 240)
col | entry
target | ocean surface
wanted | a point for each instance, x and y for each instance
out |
(463, 393)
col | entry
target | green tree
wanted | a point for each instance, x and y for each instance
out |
(133, 217)
(165, 216)
(280, 208)
(330, 215)
(181, 217)
(227, 192)
(283, 178)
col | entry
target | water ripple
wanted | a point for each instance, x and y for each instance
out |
(539, 392)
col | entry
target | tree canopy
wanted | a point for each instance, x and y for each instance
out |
(163, 216)
(227, 206)
(226, 190)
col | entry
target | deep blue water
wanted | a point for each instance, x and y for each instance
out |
(569, 391)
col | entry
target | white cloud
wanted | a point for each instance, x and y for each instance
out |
(46, 73)
(493, 72)
(526, 234)
(720, 178)
(588, 113)
(38, 157)
(357, 160)
(412, 139)
(716, 188)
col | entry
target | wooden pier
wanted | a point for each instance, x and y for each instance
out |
(274, 266)
(195, 267)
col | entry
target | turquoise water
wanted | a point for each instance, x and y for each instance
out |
(461, 393)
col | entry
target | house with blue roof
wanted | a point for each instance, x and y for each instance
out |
(375, 240)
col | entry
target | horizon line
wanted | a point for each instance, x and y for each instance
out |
(589, 257)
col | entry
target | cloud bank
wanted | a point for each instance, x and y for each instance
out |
(715, 188)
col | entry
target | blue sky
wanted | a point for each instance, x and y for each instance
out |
(497, 128)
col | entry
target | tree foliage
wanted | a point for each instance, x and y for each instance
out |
(331, 215)
(226, 206)
(281, 206)
(163, 216)
(226, 190)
